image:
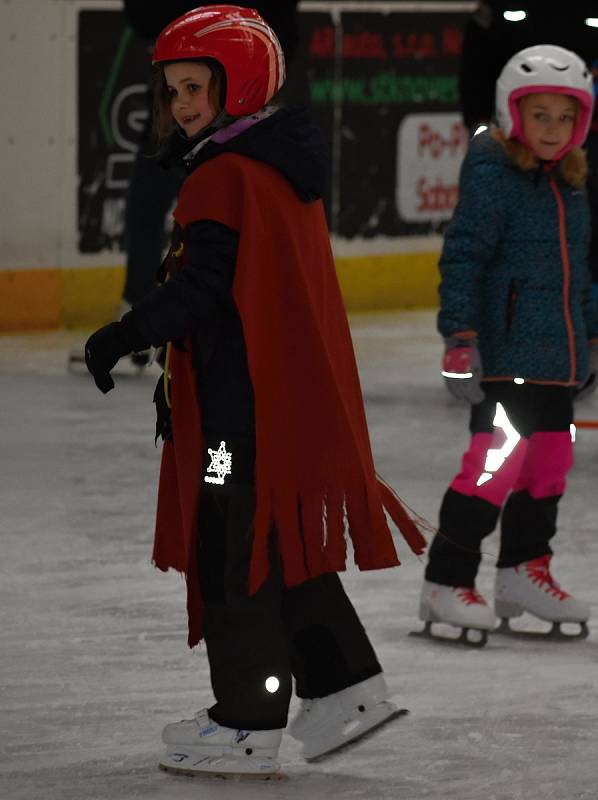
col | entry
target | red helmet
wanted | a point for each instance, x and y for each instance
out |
(240, 40)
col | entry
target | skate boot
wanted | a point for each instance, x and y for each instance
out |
(460, 606)
(200, 746)
(530, 587)
(327, 724)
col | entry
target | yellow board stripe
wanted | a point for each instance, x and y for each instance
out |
(90, 297)
(30, 299)
(399, 280)
(79, 298)
(57, 298)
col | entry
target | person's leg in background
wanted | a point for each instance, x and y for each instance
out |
(150, 197)
(529, 517)
(524, 581)
(500, 426)
(489, 470)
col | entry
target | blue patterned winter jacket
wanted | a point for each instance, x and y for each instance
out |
(514, 269)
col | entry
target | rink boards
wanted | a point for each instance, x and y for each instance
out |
(74, 297)
(380, 78)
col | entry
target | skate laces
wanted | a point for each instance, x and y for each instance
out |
(538, 571)
(470, 596)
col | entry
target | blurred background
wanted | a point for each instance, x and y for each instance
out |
(397, 86)
(381, 78)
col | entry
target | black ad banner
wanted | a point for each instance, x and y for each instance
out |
(382, 85)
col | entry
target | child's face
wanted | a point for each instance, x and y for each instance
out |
(548, 122)
(188, 85)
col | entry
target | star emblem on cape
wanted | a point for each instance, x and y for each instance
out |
(221, 464)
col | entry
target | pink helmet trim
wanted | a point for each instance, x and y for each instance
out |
(583, 123)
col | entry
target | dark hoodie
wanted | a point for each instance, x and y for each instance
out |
(197, 301)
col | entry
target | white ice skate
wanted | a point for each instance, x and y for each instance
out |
(200, 746)
(530, 587)
(459, 606)
(327, 724)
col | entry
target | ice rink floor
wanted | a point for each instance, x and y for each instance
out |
(93, 656)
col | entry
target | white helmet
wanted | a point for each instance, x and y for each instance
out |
(544, 68)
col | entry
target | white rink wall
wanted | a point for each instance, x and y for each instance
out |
(37, 133)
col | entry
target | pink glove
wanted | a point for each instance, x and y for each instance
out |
(462, 369)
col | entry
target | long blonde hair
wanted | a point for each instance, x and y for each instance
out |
(573, 166)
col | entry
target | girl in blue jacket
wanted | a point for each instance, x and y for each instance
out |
(521, 332)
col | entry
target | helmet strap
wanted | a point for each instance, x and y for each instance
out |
(196, 142)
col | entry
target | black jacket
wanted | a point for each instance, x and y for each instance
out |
(197, 301)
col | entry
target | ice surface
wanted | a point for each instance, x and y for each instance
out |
(93, 660)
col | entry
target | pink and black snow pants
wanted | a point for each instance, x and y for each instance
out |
(520, 452)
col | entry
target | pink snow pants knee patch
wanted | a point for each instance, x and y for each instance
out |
(484, 473)
(548, 460)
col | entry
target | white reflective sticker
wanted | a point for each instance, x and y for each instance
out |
(514, 16)
(221, 464)
(496, 457)
(457, 375)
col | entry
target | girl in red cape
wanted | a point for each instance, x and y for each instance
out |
(267, 464)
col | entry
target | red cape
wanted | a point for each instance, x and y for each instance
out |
(315, 476)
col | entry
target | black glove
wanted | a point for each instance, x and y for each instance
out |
(103, 349)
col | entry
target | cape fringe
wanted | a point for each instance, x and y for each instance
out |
(316, 525)
(411, 527)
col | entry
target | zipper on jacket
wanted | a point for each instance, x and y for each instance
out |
(566, 277)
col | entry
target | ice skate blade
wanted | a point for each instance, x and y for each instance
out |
(555, 634)
(463, 639)
(221, 775)
(400, 712)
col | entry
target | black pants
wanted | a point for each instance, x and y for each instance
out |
(151, 193)
(311, 631)
(527, 486)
